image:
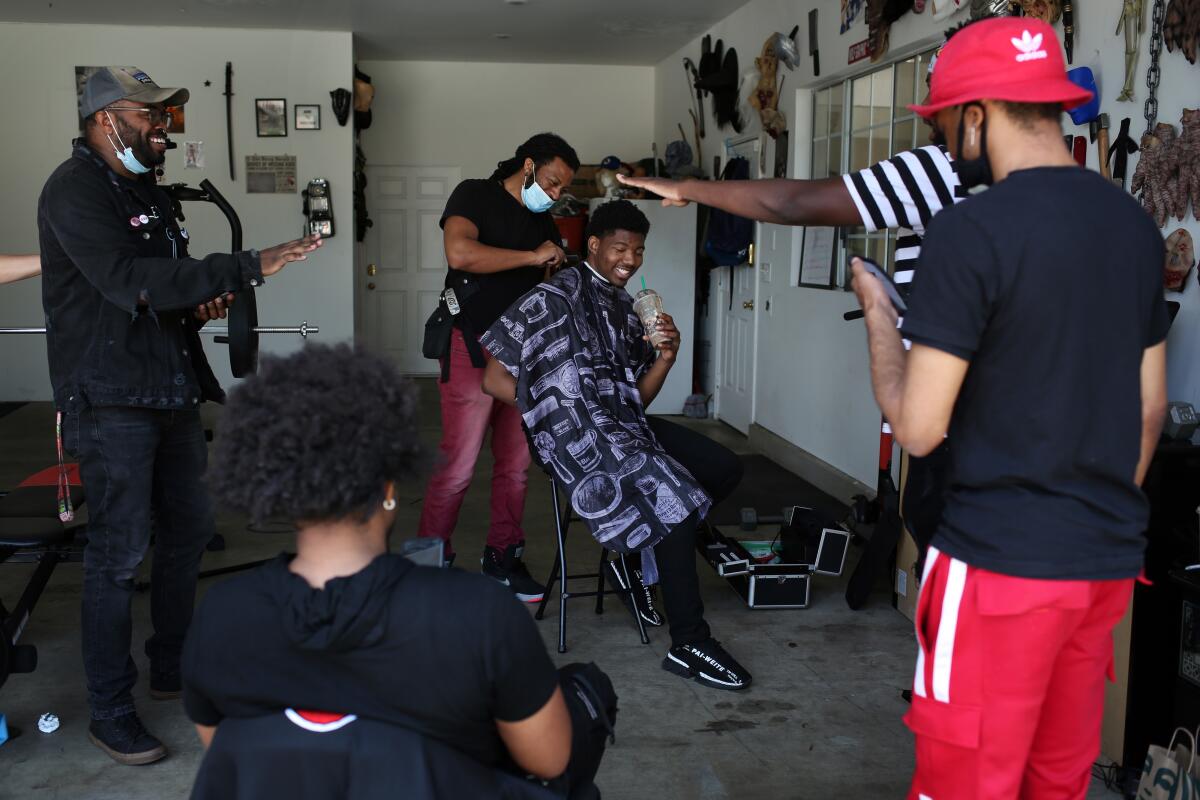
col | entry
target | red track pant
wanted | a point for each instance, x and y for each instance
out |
(1009, 687)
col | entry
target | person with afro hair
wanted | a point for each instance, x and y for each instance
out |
(324, 438)
(576, 361)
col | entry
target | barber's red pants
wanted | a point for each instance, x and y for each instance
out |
(467, 413)
(1009, 687)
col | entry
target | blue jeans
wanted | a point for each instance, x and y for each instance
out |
(142, 469)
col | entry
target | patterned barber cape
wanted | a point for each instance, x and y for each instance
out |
(575, 347)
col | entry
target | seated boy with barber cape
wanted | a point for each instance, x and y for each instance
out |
(578, 364)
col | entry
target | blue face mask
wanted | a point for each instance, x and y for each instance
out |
(534, 196)
(126, 156)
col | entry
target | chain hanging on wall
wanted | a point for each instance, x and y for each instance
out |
(1157, 15)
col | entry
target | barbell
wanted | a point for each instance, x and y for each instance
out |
(243, 330)
(241, 336)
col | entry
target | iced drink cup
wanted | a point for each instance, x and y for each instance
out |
(648, 306)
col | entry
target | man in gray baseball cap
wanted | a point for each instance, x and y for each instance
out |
(124, 302)
(140, 148)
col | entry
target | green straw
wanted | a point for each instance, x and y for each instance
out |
(643, 283)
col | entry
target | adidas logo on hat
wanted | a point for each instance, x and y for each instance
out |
(1030, 47)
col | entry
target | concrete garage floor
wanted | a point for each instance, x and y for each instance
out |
(821, 720)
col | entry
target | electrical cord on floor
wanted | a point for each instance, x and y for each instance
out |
(1109, 774)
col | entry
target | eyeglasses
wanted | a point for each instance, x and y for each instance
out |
(158, 115)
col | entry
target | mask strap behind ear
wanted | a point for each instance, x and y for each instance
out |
(531, 177)
(118, 133)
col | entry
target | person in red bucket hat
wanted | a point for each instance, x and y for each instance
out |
(1038, 328)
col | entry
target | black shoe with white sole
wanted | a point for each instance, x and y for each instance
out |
(641, 600)
(708, 663)
(507, 567)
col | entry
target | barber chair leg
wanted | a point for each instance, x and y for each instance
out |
(556, 569)
(600, 581)
(563, 591)
(636, 616)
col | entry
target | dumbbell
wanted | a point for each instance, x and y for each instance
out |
(751, 519)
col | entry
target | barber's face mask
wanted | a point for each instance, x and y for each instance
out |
(124, 153)
(534, 196)
(974, 171)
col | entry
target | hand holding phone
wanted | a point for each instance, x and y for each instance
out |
(889, 286)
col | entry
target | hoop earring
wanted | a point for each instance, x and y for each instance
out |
(389, 504)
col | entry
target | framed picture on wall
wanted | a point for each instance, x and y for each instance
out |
(817, 251)
(308, 118)
(271, 116)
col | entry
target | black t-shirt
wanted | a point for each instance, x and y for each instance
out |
(1050, 284)
(502, 222)
(439, 651)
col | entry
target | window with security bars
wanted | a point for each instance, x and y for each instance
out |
(858, 122)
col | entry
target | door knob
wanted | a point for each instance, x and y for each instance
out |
(371, 270)
(748, 305)
(371, 286)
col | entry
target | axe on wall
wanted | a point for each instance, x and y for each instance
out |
(1098, 133)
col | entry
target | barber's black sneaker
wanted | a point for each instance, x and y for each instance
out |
(508, 568)
(709, 664)
(641, 600)
(126, 740)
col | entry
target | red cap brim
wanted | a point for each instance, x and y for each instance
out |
(1056, 91)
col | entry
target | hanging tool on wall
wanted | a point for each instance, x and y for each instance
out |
(693, 77)
(229, 114)
(1098, 132)
(1119, 152)
(1068, 21)
(1079, 151)
(813, 50)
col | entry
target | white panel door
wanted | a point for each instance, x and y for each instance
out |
(406, 264)
(737, 324)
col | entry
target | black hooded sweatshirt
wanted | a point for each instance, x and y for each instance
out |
(441, 652)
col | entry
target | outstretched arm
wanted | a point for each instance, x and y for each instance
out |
(781, 201)
(15, 268)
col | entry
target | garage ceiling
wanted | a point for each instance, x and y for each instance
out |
(538, 31)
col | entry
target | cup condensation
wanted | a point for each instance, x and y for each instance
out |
(647, 304)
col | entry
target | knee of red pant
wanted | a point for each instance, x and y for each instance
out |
(947, 743)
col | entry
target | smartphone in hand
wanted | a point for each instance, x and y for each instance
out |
(889, 285)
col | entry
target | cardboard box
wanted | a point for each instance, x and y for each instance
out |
(907, 583)
(583, 185)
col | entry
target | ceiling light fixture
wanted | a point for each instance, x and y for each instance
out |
(515, 2)
(502, 35)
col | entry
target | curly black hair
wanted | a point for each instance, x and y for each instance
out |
(315, 436)
(617, 215)
(542, 148)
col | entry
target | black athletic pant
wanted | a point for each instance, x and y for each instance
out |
(719, 471)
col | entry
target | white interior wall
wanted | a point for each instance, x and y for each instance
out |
(813, 386)
(39, 123)
(475, 114)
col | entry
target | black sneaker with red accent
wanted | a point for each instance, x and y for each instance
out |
(507, 567)
(709, 664)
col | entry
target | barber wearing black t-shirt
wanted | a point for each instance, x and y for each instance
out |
(1038, 327)
(500, 242)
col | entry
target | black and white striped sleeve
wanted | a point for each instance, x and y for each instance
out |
(904, 191)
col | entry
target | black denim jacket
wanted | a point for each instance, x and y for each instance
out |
(119, 289)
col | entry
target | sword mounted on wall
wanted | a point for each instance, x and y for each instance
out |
(229, 114)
